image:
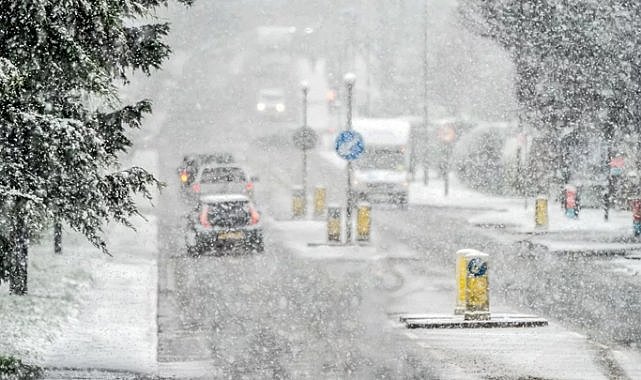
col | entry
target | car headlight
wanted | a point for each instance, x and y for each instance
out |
(280, 107)
(260, 106)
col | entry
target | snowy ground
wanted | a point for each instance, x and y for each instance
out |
(85, 309)
(119, 309)
(56, 288)
(516, 215)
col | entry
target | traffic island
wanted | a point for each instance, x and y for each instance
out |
(472, 300)
(436, 321)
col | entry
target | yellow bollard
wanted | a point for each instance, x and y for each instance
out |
(333, 224)
(461, 276)
(477, 286)
(298, 202)
(541, 212)
(320, 194)
(363, 221)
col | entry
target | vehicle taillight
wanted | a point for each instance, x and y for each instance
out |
(204, 220)
(255, 216)
(196, 187)
(184, 177)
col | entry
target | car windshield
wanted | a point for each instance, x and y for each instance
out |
(220, 158)
(382, 159)
(222, 175)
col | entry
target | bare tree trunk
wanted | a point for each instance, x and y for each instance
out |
(18, 260)
(57, 236)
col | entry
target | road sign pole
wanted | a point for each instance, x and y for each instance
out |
(349, 83)
(304, 181)
(348, 213)
(305, 88)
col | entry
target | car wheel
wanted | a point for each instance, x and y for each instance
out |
(255, 245)
(260, 246)
(402, 201)
(218, 250)
(194, 250)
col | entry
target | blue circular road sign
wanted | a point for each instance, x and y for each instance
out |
(350, 145)
(477, 267)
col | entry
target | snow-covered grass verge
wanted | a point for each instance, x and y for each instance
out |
(116, 328)
(85, 309)
(56, 283)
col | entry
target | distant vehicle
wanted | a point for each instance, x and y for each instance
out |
(192, 163)
(224, 221)
(271, 103)
(223, 179)
(381, 174)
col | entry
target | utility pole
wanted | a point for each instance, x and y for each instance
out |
(349, 85)
(520, 150)
(426, 168)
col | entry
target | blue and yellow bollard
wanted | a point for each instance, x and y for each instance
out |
(320, 194)
(477, 286)
(461, 277)
(298, 202)
(541, 212)
(333, 224)
(363, 221)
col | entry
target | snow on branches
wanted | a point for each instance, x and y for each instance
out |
(59, 154)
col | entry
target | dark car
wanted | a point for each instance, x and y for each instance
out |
(222, 222)
(222, 179)
(192, 163)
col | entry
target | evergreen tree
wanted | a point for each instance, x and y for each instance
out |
(573, 76)
(62, 126)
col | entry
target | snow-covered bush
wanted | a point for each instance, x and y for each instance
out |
(14, 369)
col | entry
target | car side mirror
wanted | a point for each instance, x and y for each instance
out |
(254, 179)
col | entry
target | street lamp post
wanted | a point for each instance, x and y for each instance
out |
(349, 79)
(426, 168)
(305, 87)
